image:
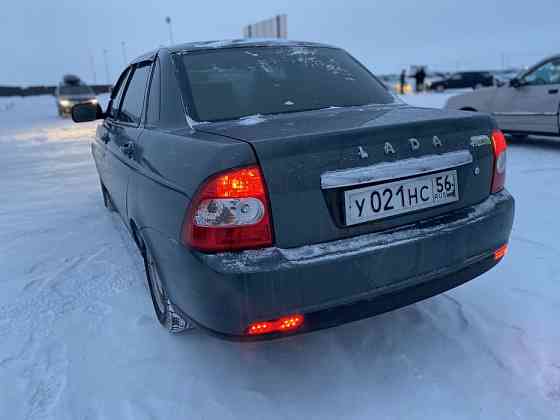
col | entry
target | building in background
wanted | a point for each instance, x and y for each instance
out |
(276, 27)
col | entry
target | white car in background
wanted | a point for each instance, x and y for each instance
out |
(528, 104)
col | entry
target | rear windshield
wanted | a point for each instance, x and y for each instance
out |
(75, 90)
(233, 83)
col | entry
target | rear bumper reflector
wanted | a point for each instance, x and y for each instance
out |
(500, 252)
(284, 324)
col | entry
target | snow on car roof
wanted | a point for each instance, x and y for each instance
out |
(230, 43)
(243, 42)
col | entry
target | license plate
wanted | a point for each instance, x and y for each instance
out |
(399, 197)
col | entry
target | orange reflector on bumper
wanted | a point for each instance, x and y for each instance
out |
(284, 324)
(500, 252)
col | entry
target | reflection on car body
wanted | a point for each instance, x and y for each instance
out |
(232, 163)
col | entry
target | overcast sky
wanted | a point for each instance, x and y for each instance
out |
(42, 39)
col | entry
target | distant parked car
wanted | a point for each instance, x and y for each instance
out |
(72, 91)
(276, 187)
(528, 104)
(463, 80)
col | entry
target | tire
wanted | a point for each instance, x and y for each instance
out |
(107, 199)
(166, 313)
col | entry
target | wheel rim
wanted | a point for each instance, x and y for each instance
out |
(156, 288)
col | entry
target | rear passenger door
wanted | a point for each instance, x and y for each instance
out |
(124, 130)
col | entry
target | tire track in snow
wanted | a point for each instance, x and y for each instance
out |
(47, 378)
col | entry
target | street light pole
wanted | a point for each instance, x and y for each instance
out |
(125, 60)
(92, 64)
(168, 21)
(106, 67)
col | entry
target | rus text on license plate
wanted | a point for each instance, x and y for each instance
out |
(393, 198)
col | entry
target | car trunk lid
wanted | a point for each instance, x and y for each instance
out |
(300, 152)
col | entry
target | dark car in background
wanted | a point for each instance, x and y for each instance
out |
(277, 187)
(463, 80)
(72, 91)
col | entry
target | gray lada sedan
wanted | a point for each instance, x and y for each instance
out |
(277, 187)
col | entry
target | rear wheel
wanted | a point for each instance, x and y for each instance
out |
(166, 313)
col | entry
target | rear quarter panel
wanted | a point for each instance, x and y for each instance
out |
(172, 167)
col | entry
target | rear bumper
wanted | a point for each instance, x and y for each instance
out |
(345, 312)
(345, 280)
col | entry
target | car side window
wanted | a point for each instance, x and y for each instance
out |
(154, 97)
(117, 94)
(547, 74)
(133, 101)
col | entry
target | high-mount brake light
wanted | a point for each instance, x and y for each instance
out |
(499, 148)
(230, 212)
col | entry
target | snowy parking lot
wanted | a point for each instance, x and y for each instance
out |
(78, 338)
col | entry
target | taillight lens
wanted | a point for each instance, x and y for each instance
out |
(230, 212)
(499, 147)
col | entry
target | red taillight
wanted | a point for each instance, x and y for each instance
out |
(284, 324)
(499, 147)
(230, 212)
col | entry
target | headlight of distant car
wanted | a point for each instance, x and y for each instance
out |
(65, 102)
(93, 101)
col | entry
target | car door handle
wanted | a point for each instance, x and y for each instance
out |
(553, 91)
(128, 149)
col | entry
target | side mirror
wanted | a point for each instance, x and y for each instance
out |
(87, 112)
(515, 83)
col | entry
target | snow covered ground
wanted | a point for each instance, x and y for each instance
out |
(78, 339)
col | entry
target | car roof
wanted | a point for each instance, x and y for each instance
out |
(552, 57)
(230, 43)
